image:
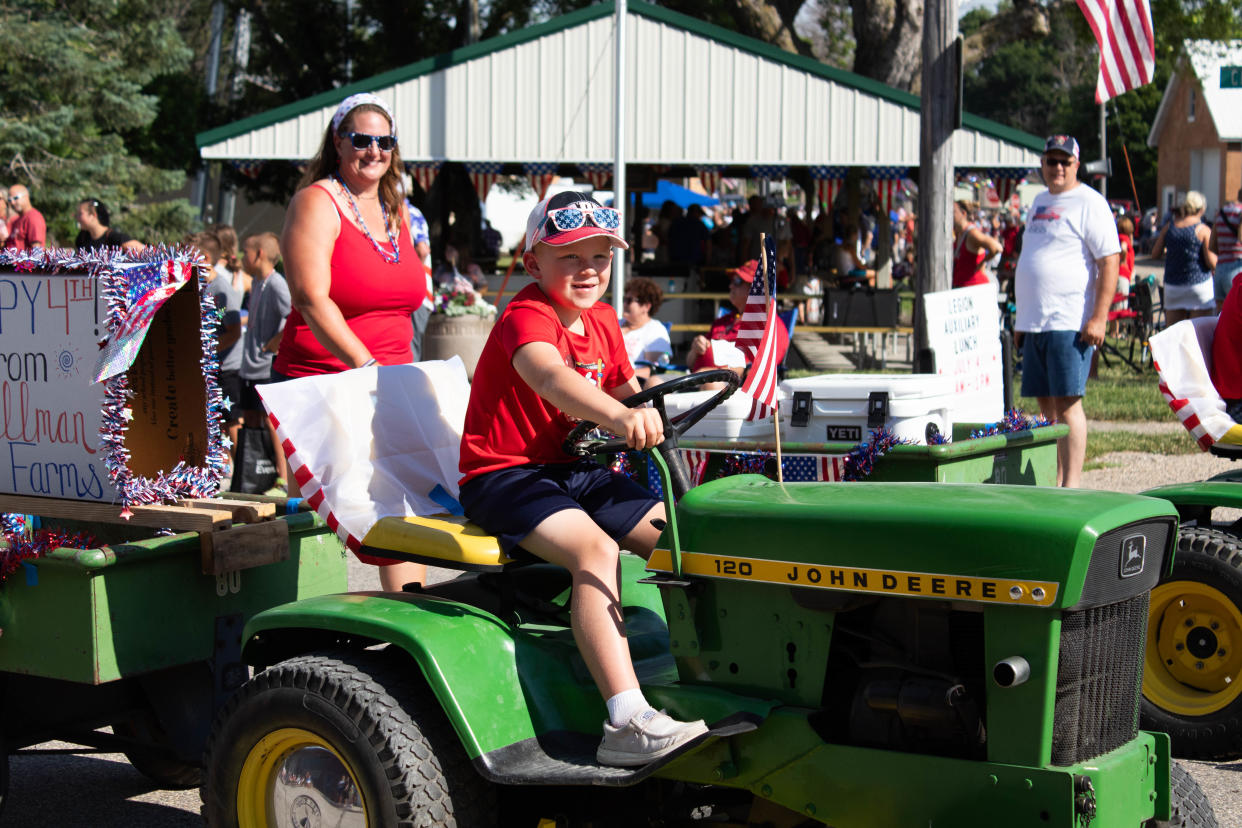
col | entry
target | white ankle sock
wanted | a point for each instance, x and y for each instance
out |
(626, 705)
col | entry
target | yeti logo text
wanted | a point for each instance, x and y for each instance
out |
(1133, 553)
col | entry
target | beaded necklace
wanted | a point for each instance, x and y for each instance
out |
(395, 257)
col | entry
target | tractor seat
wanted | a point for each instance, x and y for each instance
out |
(436, 540)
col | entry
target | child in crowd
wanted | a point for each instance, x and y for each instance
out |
(270, 304)
(228, 346)
(556, 355)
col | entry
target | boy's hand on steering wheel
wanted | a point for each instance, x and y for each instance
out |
(641, 427)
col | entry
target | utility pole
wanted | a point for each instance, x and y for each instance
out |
(209, 84)
(941, 115)
(620, 198)
(227, 198)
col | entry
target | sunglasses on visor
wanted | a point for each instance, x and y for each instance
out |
(571, 218)
(361, 141)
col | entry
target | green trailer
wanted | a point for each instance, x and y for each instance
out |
(134, 636)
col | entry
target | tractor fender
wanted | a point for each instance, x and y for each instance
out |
(1220, 491)
(468, 657)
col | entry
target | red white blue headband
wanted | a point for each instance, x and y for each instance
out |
(353, 102)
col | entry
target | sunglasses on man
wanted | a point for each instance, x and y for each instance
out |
(1059, 162)
(361, 141)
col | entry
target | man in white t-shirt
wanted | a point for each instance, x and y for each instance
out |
(1065, 281)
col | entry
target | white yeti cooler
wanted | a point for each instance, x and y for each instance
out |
(726, 421)
(846, 408)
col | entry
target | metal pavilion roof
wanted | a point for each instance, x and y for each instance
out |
(697, 95)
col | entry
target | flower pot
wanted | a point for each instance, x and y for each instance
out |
(463, 335)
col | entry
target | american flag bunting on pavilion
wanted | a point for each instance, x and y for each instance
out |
(541, 174)
(887, 184)
(250, 169)
(769, 172)
(483, 175)
(1006, 182)
(1123, 30)
(597, 174)
(424, 172)
(828, 181)
(757, 337)
(709, 177)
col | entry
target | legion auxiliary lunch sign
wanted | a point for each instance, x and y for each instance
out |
(963, 329)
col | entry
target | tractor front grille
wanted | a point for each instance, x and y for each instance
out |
(1099, 679)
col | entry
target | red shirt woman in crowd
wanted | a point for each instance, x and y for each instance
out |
(972, 247)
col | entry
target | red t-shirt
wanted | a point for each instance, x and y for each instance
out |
(1227, 346)
(27, 231)
(1125, 269)
(376, 298)
(507, 423)
(725, 327)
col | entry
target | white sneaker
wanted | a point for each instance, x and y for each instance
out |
(645, 738)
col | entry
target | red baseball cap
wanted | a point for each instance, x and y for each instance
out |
(746, 272)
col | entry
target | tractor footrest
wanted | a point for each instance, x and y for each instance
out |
(568, 758)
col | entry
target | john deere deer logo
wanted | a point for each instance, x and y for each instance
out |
(1133, 553)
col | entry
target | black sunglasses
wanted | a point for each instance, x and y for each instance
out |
(362, 141)
(1059, 162)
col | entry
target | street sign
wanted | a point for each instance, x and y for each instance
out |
(1231, 77)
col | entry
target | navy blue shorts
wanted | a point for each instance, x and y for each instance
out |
(1055, 364)
(510, 503)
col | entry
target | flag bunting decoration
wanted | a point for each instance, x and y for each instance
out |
(759, 317)
(1006, 181)
(542, 174)
(250, 169)
(597, 174)
(424, 172)
(709, 177)
(1123, 30)
(828, 181)
(483, 175)
(887, 182)
(769, 172)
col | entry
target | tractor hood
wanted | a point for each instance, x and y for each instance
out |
(1022, 545)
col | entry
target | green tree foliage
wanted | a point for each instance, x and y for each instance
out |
(76, 77)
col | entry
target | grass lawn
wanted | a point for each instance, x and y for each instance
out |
(1118, 394)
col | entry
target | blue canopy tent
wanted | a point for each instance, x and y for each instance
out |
(682, 197)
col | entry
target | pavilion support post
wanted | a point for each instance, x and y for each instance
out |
(941, 110)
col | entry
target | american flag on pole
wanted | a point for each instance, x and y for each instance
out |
(887, 184)
(761, 380)
(1123, 30)
(828, 181)
(710, 178)
(148, 287)
(542, 174)
(424, 172)
(483, 175)
(597, 174)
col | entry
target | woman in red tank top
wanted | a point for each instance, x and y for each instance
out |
(972, 247)
(353, 274)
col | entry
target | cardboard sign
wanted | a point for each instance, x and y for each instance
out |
(52, 324)
(963, 329)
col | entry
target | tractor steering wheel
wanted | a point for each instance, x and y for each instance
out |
(578, 444)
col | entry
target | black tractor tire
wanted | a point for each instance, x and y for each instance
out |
(1201, 602)
(389, 731)
(1190, 805)
(164, 769)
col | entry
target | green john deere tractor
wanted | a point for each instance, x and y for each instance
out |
(868, 655)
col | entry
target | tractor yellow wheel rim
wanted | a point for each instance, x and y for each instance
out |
(1194, 649)
(295, 777)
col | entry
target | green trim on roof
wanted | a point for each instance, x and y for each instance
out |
(577, 18)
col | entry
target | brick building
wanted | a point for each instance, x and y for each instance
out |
(1198, 128)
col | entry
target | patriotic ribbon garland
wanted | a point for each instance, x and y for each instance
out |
(24, 541)
(423, 172)
(483, 175)
(1015, 420)
(828, 181)
(541, 174)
